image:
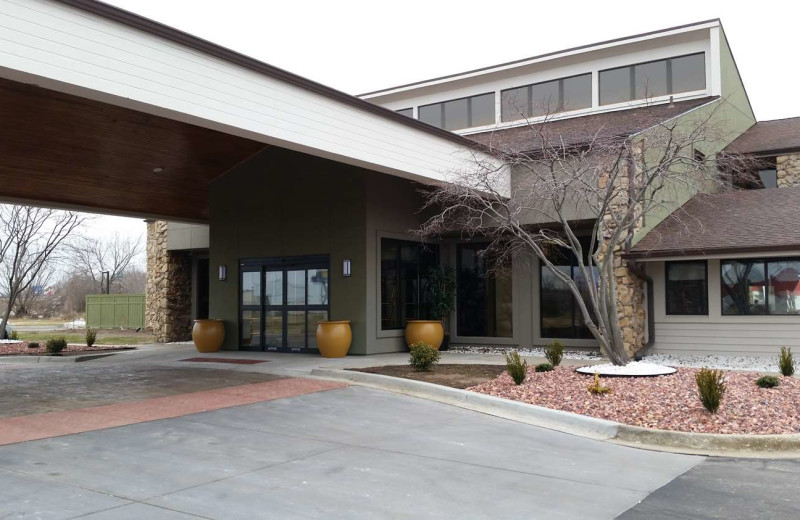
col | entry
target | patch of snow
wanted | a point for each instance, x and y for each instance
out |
(747, 363)
(4, 341)
(633, 369)
(523, 351)
(77, 324)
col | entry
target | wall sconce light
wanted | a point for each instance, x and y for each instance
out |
(223, 272)
(346, 268)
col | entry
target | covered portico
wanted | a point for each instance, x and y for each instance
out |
(109, 112)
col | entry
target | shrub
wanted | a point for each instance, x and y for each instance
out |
(55, 345)
(786, 362)
(711, 384)
(554, 352)
(91, 337)
(33, 344)
(516, 367)
(14, 335)
(544, 367)
(597, 388)
(768, 381)
(423, 356)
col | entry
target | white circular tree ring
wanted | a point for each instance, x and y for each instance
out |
(632, 369)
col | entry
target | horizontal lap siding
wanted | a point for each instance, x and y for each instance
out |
(726, 338)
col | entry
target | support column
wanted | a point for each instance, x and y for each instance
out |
(168, 294)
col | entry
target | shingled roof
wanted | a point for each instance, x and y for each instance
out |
(575, 131)
(764, 137)
(741, 221)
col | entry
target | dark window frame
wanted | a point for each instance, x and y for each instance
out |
(469, 109)
(529, 88)
(765, 263)
(401, 318)
(478, 246)
(667, 265)
(632, 76)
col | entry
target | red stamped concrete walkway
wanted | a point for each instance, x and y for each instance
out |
(55, 424)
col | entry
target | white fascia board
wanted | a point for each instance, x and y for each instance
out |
(726, 256)
(66, 49)
(541, 59)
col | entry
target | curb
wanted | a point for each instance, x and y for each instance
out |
(32, 360)
(729, 445)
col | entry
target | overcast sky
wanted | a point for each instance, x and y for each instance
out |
(359, 46)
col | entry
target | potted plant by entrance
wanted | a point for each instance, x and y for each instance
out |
(441, 295)
(208, 335)
(334, 338)
(425, 331)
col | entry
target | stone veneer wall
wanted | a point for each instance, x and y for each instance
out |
(788, 170)
(168, 294)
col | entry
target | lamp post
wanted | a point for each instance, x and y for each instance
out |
(107, 276)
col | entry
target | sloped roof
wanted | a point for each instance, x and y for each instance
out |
(778, 135)
(731, 222)
(575, 131)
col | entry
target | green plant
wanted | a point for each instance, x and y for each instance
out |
(33, 344)
(554, 352)
(14, 335)
(711, 385)
(768, 381)
(516, 367)
(91, 337)
(55, 345)
(786, 362)
(423, 356)
(544, 367)
(596, 388)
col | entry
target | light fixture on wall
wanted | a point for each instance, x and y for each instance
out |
(346, 268)
(223, 272)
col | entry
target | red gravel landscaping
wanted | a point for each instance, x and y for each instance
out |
(21, 349)
(664, 402)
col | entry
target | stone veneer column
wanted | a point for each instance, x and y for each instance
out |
(168, 294)
(788, 170)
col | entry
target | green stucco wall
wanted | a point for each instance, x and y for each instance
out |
(284, 203)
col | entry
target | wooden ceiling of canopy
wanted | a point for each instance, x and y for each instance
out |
(66, 150)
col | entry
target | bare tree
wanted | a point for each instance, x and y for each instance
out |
(595, 185)
(31, 238)
(92, 257)
(29, 298)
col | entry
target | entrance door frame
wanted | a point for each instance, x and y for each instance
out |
(283, 264)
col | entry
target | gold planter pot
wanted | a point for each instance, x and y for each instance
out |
(208, 335)
(334, 338)
(427, 331)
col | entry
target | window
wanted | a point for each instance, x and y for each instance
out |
(559, 312)
(652, 79)
(761, 286)
(460, 113)
(768, 172)
(408, 112)
(484, 305)
(403, 267)
(687, 288)
(540, 99)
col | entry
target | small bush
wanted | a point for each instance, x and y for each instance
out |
(786, 362)
(14, 335)
(554, 352)
(597, 388)
(544, 367)
(33, 344)
(423, 356)
(768, 381)
(55, 345)
(711, 385)
(516, 367)
(91, 337)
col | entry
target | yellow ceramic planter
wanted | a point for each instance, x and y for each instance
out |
(334, 338)
(208, 335)
(427, 331)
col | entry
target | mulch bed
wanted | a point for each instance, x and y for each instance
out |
(21, 349)
(664, 402)
(455, 376)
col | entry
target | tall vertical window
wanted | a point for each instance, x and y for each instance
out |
(559, 311)
(761, 286)
(460, 113)
(484, 305)
(403, 268)
(652, 79)
(540, 99)
(687, 288)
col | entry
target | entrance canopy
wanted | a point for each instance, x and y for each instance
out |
(103, 110)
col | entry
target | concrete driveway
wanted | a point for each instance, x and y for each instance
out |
(347, 453)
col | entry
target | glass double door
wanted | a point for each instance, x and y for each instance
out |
(281, 302)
